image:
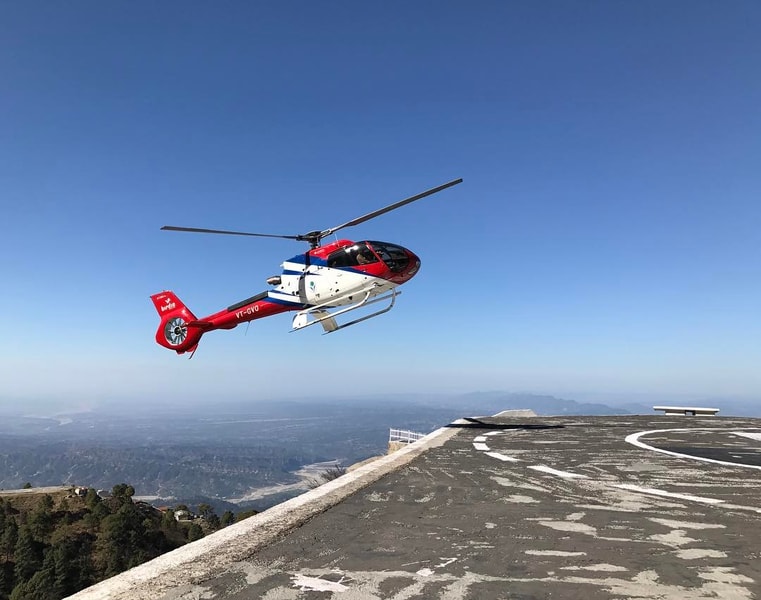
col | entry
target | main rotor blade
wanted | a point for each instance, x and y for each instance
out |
(390, 207)
(199, 230)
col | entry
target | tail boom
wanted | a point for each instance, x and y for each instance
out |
(180, 330)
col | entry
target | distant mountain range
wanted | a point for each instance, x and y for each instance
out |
(242, 449)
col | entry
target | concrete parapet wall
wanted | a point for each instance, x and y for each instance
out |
(200, 560)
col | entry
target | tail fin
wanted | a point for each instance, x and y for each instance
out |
(173, 331)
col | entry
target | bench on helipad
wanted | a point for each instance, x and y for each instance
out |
(687, 410)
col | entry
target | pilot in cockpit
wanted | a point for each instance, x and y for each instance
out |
(365, 256)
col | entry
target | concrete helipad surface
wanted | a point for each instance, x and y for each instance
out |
(504, 507)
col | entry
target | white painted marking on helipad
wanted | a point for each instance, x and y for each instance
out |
(494, 433)
(747, 434)
(601, 567)
(655, 492)
(445, 562)
(634, 440)
(674, 524)
(502, 457)
(480, 438)
(316, 584)
(479, 446)
(553, 553)
(551, 471)
(695, 553)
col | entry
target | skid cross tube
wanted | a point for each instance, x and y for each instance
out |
(394, 293)
(304, 314)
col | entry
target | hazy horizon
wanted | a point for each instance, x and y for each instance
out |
(50, 408)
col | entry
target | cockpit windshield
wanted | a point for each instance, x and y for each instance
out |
(395, 257)
(352, 256)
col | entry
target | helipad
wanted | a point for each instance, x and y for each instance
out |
(654, 507)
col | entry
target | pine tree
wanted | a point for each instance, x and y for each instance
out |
(6, 579)
(121, 537)
(9, 538)
(123, 493)
(168, 520)
(41, 586)
(207, 513)
(41, 520)
(92, 498)
(194, 532)
(71, 561)
(228, 518)
(28, 555)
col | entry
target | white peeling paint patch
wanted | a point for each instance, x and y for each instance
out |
(479, 438)
(494, 433)
(376, 497)
(316, 584)
(553, 553)
(490, 525)
(686, 524)
(655, 492)
(479, 446)
(724, 575)
(717, 583)
(674, 538)
(601, 567)
(575, 516)
(695, 553)
(519, 499)
(426, 498)
(551, 471)
(570, 526)
(502, 457)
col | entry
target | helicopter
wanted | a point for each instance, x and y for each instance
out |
(325, 282)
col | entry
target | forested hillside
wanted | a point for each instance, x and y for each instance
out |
(52, 545)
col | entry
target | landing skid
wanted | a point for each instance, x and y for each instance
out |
(328, 319)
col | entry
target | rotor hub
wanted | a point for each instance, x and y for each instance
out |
(175, 331)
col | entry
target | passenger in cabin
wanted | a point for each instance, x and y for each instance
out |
(359, 254)
(365, 256)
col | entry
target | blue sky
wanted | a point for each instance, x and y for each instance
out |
(605, 239)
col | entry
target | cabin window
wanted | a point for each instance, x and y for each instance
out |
(352, 256)
(395, 257)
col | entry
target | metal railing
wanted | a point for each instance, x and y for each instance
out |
(402, 435)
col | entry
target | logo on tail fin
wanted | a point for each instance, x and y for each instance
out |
(168, 305)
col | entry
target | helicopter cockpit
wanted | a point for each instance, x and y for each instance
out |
(364, 253)
(352, 256)
(395, 257)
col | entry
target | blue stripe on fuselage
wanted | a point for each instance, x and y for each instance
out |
(284, 302)
(313, 260)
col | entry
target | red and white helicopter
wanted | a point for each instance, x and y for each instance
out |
(342, 275)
